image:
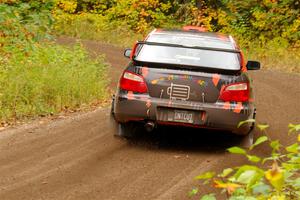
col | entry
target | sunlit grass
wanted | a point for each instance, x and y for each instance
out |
(49, 79)
(95, 27)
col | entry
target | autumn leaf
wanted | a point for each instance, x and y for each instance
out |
(230, 187)
(275, 176)
(207, 175)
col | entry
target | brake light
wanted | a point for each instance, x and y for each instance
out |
(133, 82)
(238, 92)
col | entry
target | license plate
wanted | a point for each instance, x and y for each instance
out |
(183, 116)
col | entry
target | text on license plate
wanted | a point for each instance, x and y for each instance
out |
(183, 116)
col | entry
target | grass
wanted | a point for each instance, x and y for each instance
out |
(49, 79)
(275, 54)
(95, 27)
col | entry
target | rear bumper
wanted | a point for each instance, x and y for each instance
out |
(220, 115)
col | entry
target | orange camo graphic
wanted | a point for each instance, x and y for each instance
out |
(216, 79)
(145, 71)
(226, 105)
(130, 95)
(238, 107)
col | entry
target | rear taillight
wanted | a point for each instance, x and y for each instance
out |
(238, 92)
(133, 82)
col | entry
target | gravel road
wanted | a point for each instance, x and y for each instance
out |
(77, 157)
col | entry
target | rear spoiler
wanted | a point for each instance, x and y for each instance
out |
(189, 67)
(188, 47)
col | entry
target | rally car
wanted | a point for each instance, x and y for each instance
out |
(186, 77)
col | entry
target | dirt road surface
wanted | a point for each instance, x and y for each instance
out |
(78, 157)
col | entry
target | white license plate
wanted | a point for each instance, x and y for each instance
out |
(183, 116)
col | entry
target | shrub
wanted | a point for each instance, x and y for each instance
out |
(275, 177)
(140, 14)
(22, 24)
(38, 77)
(123, 22)
(51, 79)
(95, 27)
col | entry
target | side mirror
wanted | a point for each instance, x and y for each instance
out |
(127, 53)
(253, 65)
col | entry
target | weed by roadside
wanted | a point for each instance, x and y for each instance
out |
(275, 177)
(95, 27)
(37, 76)
(50, 79)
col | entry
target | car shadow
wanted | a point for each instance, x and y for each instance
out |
(185, 139)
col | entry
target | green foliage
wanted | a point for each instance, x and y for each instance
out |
(208, 197)
(206, 175)
(140, 14)
(22, 24)
(237, 150)
(261, 181)
(267, 31)
(248, 20)
(95, 27)
(38, 77)
(270, 19)
(259, 141)
(52, 79)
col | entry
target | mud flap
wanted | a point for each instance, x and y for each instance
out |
(247, 140)
(113, 124)
(126, 130)
(121, 130)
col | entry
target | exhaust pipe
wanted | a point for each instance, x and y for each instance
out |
(149, 126)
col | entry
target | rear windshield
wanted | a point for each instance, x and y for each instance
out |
(191, 40)
(191, 57)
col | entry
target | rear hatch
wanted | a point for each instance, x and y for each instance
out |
(179, 84)
(179, 72)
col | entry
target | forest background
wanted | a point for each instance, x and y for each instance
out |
(267, 30)
(39, 77)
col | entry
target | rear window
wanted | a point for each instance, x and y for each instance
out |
(191, 57)
(191, 40)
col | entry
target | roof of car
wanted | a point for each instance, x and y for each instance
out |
(192, 38)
